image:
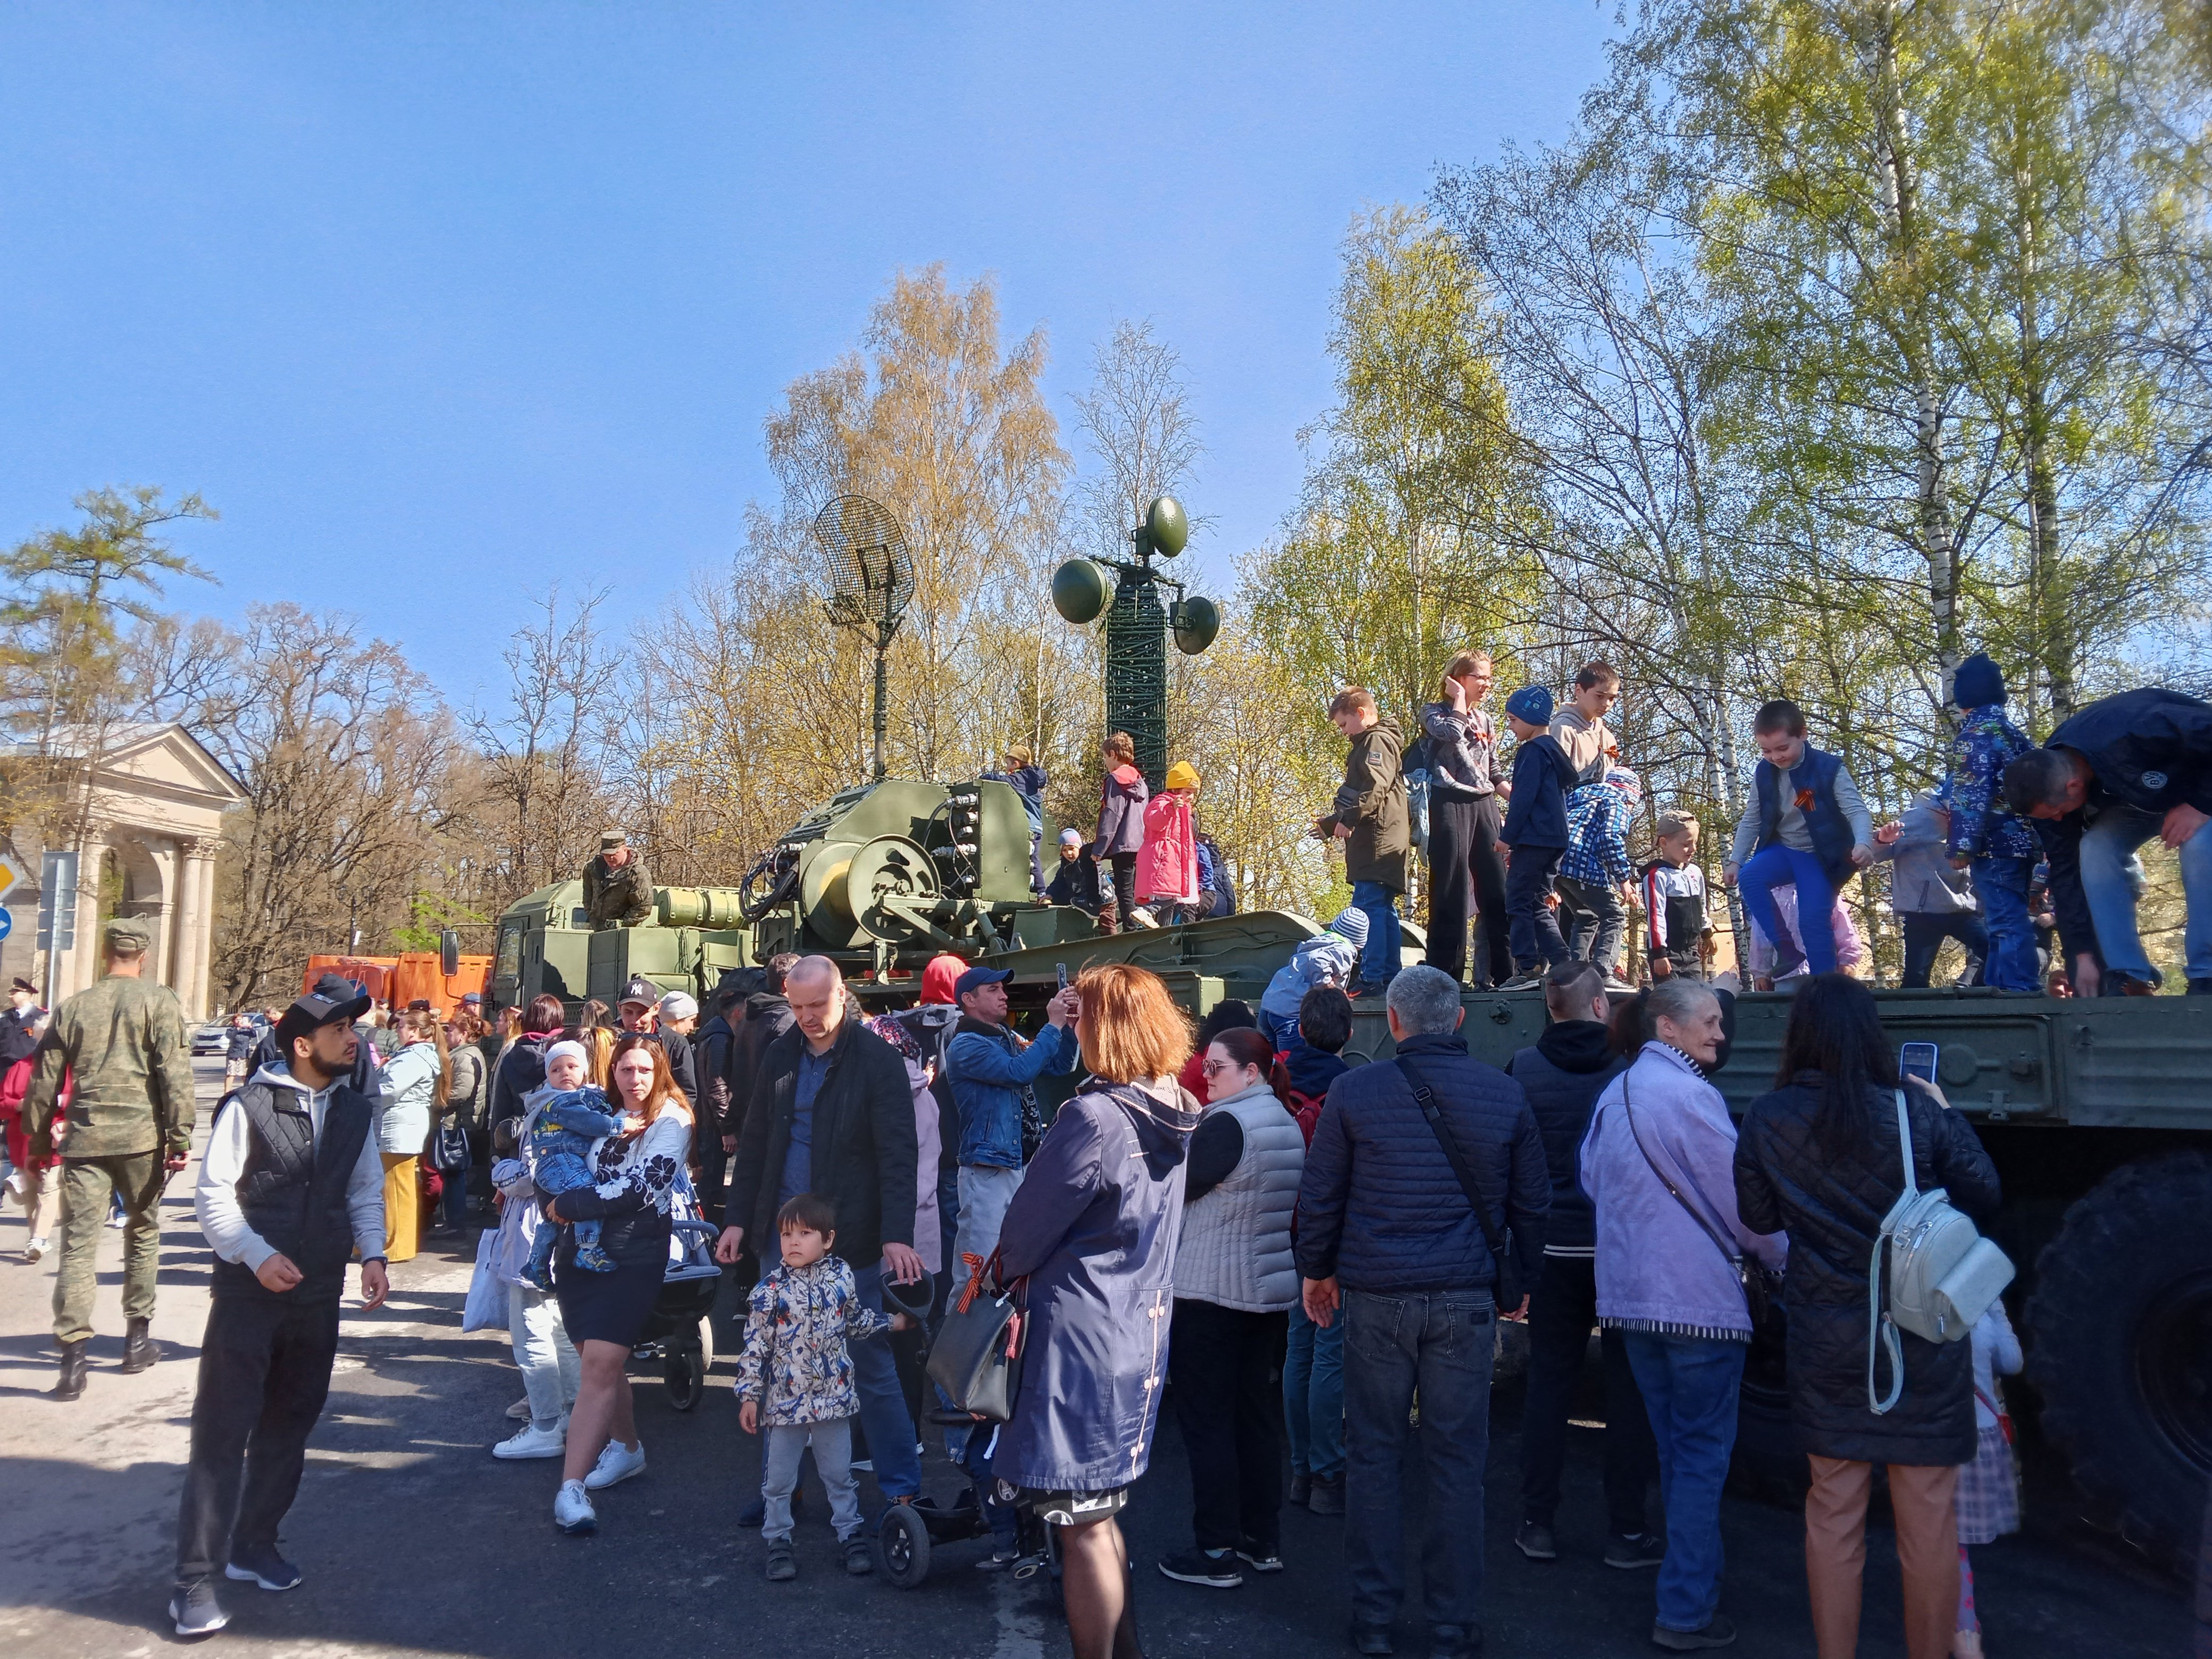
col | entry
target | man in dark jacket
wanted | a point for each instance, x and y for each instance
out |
(831, 1114)
(767, 1016)
(1386, 1227)
(16, 1038)
(640, 1014)
(1563, 1075)
(2123, 770)
(710, 1055)
(1369, 818)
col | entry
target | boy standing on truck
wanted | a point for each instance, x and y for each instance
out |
(1999, 847)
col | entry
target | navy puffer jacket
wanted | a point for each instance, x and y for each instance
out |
(1563, 1075)
(1379, 1207)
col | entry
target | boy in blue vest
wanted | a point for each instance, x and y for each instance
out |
(1535, 836)
(1805, 825)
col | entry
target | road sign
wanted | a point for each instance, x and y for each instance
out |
(12, 869)
(57, 903)
(7, 922)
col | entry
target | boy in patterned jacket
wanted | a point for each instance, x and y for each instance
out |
(2000, 849)
(797, 1375)
(1597, 878)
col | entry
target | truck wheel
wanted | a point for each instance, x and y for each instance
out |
(2120, 1329)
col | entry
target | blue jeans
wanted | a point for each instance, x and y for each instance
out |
(1379, 958)
(875, 1375)
(1441, 1344)
(1924, 933)
(1532, 928)
(1689, 1385)
(1313, 1397)
(2001, 884)
(2106, 849)
(1778, 866)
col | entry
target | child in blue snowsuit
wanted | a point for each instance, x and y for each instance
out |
(2002, 849)
(561, 1131)
(1805, 825)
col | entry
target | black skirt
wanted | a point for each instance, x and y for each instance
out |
(606, 1307)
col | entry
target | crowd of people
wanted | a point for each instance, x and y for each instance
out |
(1310, 1256)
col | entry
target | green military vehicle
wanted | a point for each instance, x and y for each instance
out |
(2097, 1114)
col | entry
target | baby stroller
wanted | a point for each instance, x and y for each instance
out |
(678, 1320)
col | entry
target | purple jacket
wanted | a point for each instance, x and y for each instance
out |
(1658, 1270)
(1094, 1225)
(1121, 800)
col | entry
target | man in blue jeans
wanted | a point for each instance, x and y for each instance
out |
(2123, 770)
(1387, 1238)
(1369, 819)
(831, 1114)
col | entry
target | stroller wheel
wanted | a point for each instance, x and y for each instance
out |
(903, 1546)
(684, 1370)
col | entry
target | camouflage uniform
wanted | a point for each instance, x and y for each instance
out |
(123, 1042)
(616, 898)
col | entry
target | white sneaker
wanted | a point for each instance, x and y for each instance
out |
(617, 1462)
(16, 1188)
(572, 1512)
(519, 1411)
(531, 1441)
(35, 1249)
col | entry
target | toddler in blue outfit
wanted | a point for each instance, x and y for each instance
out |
(566, 1116)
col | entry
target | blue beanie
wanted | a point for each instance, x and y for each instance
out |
(1532, 703)
(1978, 684)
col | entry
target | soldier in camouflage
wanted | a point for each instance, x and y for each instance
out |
(617, 891)
(130, 1125)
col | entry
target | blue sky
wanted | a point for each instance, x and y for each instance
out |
(439, 305)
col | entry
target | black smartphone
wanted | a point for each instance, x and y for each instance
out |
(1061, 968)
(1918, 1059)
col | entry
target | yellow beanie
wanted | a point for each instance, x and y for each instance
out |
(1183, 775)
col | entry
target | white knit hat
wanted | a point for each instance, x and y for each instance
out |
(570, 1047)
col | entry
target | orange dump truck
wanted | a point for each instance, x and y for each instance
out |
(397, 981)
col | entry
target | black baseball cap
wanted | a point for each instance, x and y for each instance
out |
(642, 992)
(310, 1014)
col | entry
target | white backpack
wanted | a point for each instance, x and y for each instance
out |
(1943, 1274)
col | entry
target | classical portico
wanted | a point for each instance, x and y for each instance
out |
(147, 839)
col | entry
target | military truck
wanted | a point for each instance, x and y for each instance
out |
(2097, 1114)
(2099, 1117)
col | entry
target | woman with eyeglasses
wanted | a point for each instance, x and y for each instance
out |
(1234, 1284)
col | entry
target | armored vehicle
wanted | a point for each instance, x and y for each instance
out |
(546, 946)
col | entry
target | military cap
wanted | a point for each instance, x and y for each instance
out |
(128, 933)
(610, 839)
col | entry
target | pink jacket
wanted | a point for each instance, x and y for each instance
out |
(1167, 864)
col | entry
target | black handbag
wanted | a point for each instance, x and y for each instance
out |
(1509, 1293)
(977, 1356)
(1762, 1286)
(449, 1149)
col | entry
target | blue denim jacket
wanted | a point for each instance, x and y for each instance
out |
(991, 1070)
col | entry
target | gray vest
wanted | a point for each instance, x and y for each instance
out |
(1236, 1248)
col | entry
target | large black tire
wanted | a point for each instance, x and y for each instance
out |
(2119, 1331)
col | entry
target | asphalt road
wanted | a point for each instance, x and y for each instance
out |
(414, 1540)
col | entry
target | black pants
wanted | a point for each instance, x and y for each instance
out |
(1561, 1310)
(264, 1372)
(1924, 933)
(1226, 1368)
(1538, 944)
(1121, 916)
(1466, 869)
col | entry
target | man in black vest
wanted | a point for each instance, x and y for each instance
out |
(1563, 1075)
(290, 1185)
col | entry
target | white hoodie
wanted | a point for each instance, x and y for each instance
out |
(215, 1198)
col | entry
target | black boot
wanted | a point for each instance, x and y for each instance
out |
(140, 1351)
(70, 1383)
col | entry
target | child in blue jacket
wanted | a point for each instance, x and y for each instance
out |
(1805, 825)
(1535, 836)
(2000, 849)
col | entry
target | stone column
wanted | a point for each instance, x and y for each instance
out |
(208, 851)
(80, 966)
(168, 863)
(194, 922)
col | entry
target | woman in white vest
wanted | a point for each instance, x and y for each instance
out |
(1234, 1284)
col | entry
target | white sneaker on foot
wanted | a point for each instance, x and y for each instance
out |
(531, 1441)
(35, 1249)
(617, 1462)
(571, 1510)
(16, 1187)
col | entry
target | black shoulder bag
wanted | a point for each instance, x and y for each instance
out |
(1509, 1290)
(1762, 1286)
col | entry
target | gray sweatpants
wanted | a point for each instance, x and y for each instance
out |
(832, 1461)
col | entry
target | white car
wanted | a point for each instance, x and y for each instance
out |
(211, 1040)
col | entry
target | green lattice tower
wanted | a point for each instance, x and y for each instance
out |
(1137, 669)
